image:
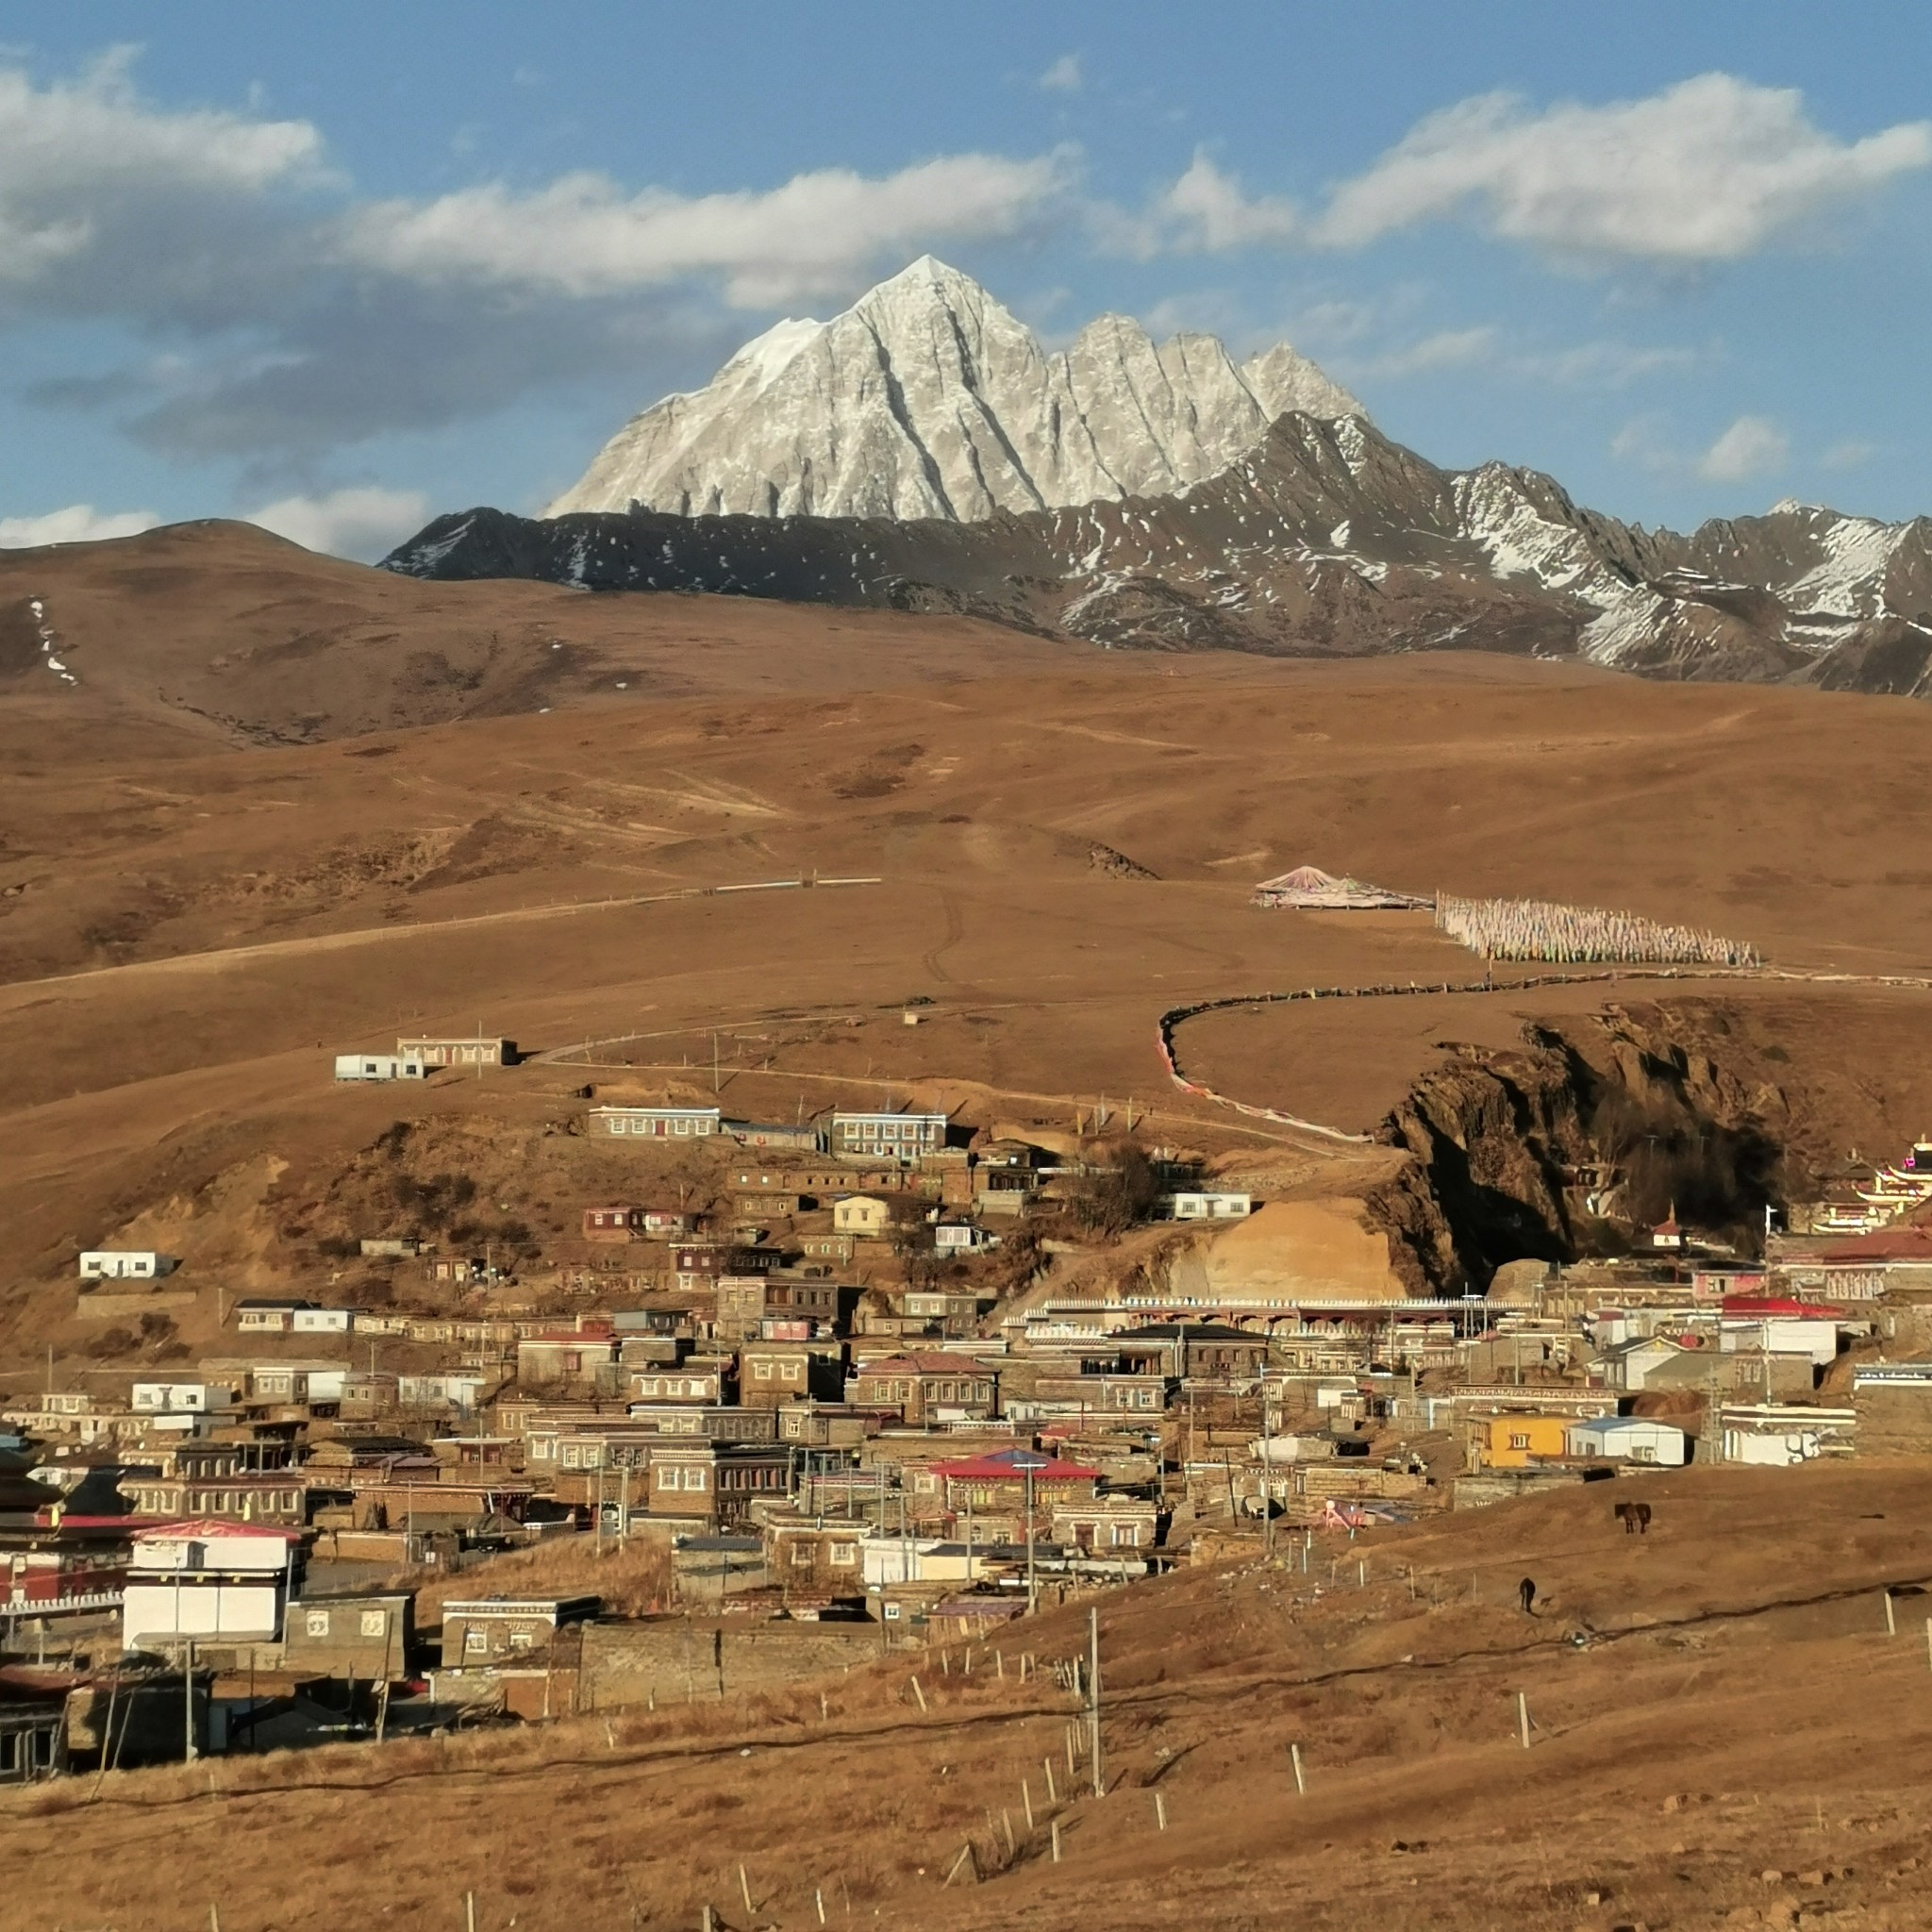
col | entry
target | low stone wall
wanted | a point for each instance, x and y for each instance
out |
(685, 1659)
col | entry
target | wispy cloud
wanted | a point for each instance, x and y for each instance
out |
(79, 522)
(1204, 210)
(1849, 454)
(582, 237)
(1449, 348)
(1709, 170)
(1751, 446)
(1064, 77)
(362, 522)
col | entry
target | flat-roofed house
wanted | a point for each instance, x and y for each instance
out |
(361, 1634)
(493, 1629)
(1628, 1439)
(927, 1386)
(379, 1066)
(125, 1264)
(884, 1134)
(717, 1482)
(864, 1215)
(214, 1583)
(463, 1050)
(654, 1123)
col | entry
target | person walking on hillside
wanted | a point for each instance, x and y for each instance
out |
(1527, 1591)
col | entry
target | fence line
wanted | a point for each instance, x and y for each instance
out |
(1177, 1016)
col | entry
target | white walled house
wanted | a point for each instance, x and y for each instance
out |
(179, 1398)
(379, 1066)
(1812, 1337)
(1203, 1205)
(1627, 1438)
(125, 1264)
(317, 1320)
(207, 1581)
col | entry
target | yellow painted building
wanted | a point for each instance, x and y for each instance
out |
(1514, 1442)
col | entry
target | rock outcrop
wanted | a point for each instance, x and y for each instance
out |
(1500, 1140)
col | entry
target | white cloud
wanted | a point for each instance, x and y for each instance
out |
(1709, 170)
(1849, 454)
(277, 318)
(1608, 364)
(1063, 76)
(1449, 348)
(815, 235)
(1203, 211)
(86, 167)
(362, 522)
(1751, 446)
(79, 522)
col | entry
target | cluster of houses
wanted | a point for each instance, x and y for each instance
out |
(820, 1463)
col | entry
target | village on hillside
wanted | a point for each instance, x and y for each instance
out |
(805, 1393)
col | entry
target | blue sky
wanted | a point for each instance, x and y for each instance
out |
(342, 266)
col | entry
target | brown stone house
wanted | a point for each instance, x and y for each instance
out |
(772, 1372)
(814, 1559)
(716, 1483)
(926, 1387)
(497, 1629)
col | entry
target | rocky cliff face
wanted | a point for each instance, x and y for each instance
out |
(927, 399)
(1499, 1139)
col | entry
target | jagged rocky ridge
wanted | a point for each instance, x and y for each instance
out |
(1502, 1139)
(927, 399)
(1325, 540)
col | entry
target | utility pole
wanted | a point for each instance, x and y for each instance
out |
(188, 1703)
(1032, 1587)
(1093, 1702)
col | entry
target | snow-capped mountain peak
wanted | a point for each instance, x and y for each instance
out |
(929, 399)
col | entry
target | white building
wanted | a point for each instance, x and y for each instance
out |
(961, 1238)
(1630, 1364)
(179, 1398)
(885, 1135)
(460, 1391)
(885, 1559)
(1202, 1205)
(1813, 1337)
(379, 1066)
(1627, 1438)
(315, 1321)
(1776, 1436)
(207, 1581)
(125, 1264)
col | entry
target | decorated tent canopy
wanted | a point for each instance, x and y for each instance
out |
(1313, 890)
